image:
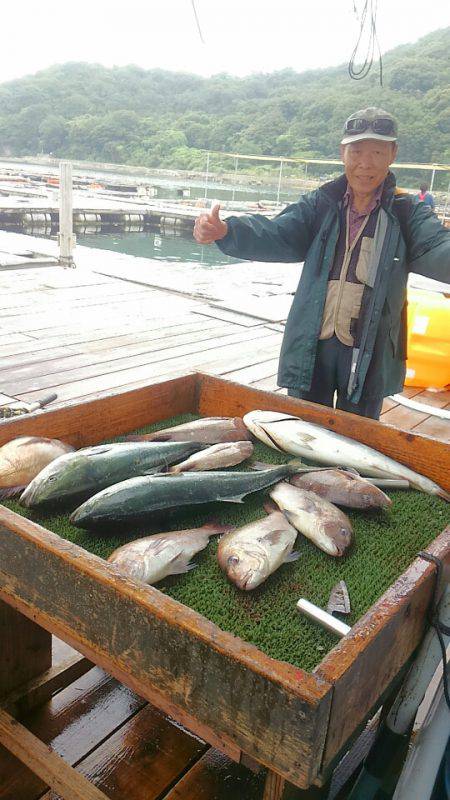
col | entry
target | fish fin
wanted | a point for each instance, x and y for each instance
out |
(235, 499)
(294, 555)
(273, 537)
(351, 470)
(181, 567)
(270, 506)
(290, 516)
(260, 465)
(11, 491)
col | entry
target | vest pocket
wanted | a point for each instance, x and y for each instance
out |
(363, 263)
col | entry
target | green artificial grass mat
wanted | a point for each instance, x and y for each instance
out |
(385, 543)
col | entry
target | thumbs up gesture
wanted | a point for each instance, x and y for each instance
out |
(209, 228)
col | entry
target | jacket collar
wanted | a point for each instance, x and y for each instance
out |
(335, 190)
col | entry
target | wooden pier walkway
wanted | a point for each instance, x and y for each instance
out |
(82, 333)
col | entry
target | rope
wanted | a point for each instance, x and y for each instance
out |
(367, 24)
(435, 622)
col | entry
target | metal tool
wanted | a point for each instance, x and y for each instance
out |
(339, 600)
(323, 618)
(8, 411)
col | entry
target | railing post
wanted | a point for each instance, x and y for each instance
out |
(66, 237)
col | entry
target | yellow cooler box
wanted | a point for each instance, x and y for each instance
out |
(428, 362)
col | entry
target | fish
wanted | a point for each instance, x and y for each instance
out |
(152, 558)
(209, 430)
(136, 499)
(290, 434)
(317, 519)
(23, 458)
(342, 487)
(225, 454)
(75, 477)
(250, 554)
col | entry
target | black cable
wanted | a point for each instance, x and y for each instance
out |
(369, 13)
(197, 21)
(435, 622)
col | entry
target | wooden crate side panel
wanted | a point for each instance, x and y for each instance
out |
(276, 713)
(92, 421)
(362, 666)
(421, 453)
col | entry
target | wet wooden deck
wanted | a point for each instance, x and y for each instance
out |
(80, 334)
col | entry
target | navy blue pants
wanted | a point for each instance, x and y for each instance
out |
(331, 374)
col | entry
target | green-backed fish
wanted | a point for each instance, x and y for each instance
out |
(152, 558)
(321, 522)
(76, 476)
(23, 458)
(137, 499)
(250, 554)
(291, 434)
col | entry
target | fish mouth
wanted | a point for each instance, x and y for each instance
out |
(245, 581)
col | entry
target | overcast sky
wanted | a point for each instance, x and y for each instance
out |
(241, 36)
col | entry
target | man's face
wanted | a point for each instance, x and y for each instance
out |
(367, 163)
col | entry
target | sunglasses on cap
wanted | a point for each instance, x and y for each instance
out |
(382, 125)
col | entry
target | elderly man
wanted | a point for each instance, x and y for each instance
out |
(359, 237)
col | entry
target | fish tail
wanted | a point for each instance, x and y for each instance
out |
(214, 528)
(11, 491)
(260, 465)
(445, 495)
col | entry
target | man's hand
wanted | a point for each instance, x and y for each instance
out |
(209, 228)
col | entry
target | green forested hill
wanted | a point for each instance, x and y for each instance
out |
(162, 119)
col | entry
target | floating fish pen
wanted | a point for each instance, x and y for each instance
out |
(161, 217)
(241, 670)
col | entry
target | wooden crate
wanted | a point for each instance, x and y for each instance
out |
(250, 706)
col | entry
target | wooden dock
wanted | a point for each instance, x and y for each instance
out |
(82, 333)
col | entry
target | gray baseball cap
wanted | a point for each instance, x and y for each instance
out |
(370, 123)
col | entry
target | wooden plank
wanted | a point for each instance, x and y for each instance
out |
(144, 756)
(167, 652)
(92, 422)
(42, 688)
(421, 453)
(435, 427)
(160, 342)
(254, 372)
(25, 650)
(156, 329)
(76, 721)
(45, 762)
(17, 386)
(216, 776)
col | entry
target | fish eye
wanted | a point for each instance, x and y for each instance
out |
(233, 560)
(52, 477)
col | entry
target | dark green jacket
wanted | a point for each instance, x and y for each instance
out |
(308, 231)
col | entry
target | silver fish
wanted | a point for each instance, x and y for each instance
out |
(249, 555)
(209, 430)
(152, 558)
(290, 434)
(226, 454)
(342, 487)
(318, 520)
(23, 458)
